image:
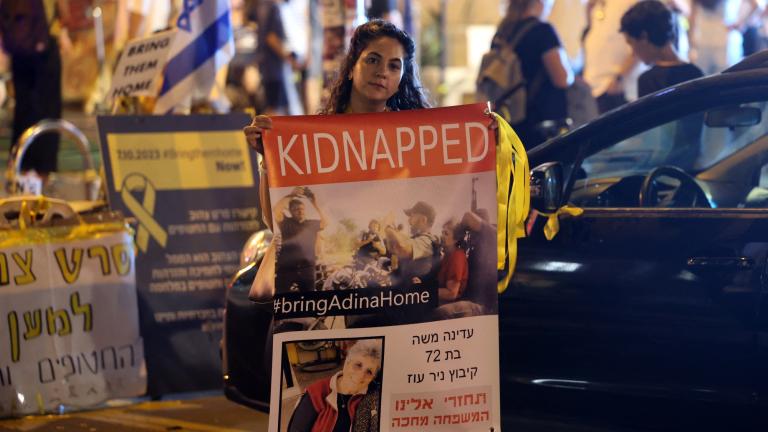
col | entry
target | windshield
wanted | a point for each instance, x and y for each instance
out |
(692, 143)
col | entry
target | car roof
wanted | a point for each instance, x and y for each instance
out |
(747, 79)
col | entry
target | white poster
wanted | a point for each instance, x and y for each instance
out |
(70, 334)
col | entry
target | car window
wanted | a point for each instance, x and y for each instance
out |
(614, 175)
(758, 195)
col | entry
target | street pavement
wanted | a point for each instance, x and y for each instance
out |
(190, 413)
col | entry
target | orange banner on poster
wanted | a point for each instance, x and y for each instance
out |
(399, 145)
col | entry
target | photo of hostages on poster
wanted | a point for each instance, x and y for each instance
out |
(385, 278)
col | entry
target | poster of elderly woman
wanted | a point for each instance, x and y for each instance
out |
(343, 397)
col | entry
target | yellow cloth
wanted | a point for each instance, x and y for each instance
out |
(552, 226)
(513, 202)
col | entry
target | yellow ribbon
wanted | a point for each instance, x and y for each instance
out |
(513, 199)
(144, 211)
(552, 227)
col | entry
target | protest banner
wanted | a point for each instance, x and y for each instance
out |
(72, 335)
(387, 251)
(190, 182)
(138, 71)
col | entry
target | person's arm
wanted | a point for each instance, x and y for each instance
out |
(450, 292)
(135, 20)
(265, 202)
(617, 85)
(304, 416)
(323, 220)
(364, 240)
(555, 62)
(457, 268)
(691, 31)
(253, 132)
(278, 212)
(400, 243)
(278, 47)
(754, 10)
(472, 221)
(379, 245)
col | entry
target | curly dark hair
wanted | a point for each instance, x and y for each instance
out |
(651, 17)
(410, 94)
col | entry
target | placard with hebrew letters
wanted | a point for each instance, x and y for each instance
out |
(385, 227)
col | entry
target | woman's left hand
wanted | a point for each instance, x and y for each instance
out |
(253, 132)
(493, 124)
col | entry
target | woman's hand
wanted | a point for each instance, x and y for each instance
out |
(253, 132)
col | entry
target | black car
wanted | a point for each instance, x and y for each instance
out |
(648, 310)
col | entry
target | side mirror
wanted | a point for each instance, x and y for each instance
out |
(546, 187)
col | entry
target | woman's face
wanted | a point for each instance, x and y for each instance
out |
(359, 370)
(641, 47)
(377, 73)
(448, 239)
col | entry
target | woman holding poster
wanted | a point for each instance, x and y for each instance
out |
(378, 74)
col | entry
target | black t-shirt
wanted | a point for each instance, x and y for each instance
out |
(661, 77)
(343, 421)
(269, 21)
(369, 249)
(298, 243)
(548, 101)
(380, 7)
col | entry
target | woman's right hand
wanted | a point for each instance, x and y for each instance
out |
(253, 132)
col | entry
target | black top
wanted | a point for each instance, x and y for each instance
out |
(298, 244)
(661, 77)
(548, 101)
(343, 421)
(380, 7)
(269, 21)
(545, 101)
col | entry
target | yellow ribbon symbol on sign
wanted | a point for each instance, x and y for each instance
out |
(143, 211)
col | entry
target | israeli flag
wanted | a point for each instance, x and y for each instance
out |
(203, 44)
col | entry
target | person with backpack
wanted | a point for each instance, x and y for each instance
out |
(29, 31)
(525, 42)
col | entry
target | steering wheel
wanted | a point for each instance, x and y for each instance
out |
(687, 194)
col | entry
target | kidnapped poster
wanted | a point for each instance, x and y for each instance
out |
(385, 306)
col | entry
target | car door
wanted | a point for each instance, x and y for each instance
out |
(652, 301)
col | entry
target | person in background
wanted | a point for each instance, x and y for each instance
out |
(454, 269)
(716, 42)
(749, 24)
(681, 10)
(544, 64)
(379, 53)
(386, 10)
(418, 254)
(649, 29)
(371, 243)
(33, 32)
(146, 17)
(608, 61)
(296, 259)
(275, 59)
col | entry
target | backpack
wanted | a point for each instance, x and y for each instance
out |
(501, 79)
(24, 27)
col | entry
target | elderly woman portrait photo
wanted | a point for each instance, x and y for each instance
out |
(349, 399)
